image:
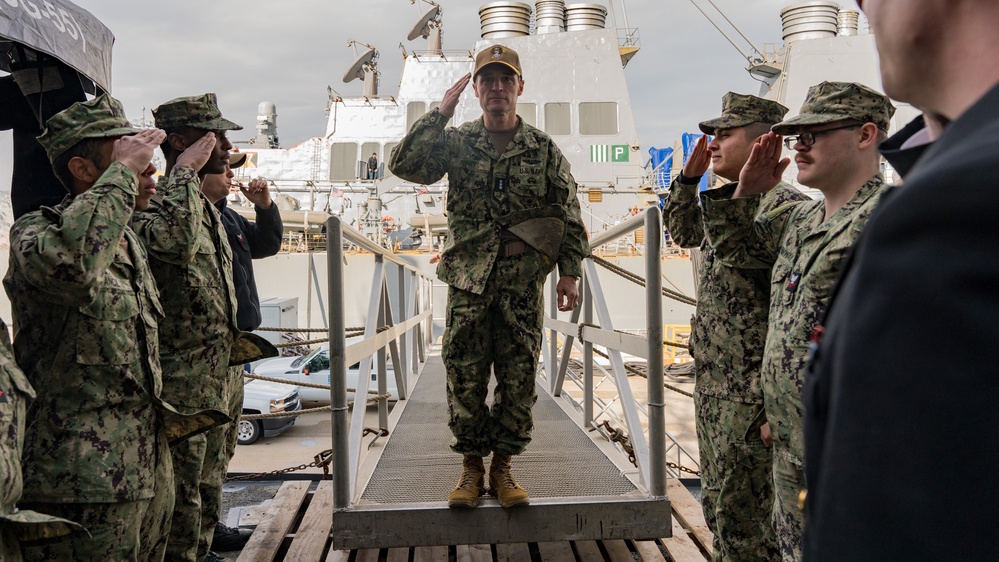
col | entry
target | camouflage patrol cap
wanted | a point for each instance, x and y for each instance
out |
(497, 54)
(237, 159)
(739, 110)
(101, 117)
(829, 102)
(200, 112)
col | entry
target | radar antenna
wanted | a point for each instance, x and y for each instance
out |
(364, 67)
(429, 26)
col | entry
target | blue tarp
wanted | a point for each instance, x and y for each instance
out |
(688, 140)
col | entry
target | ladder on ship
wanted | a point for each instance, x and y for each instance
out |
(394, 495)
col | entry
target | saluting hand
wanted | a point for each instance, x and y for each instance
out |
(764, 168)
(258, 193)
(197, 155)
(699, 160)
(452, 95)
(136, 151)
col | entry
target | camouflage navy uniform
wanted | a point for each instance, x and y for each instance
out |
(805, 253)
(85, 316)
(727, 336)
(495, 303)
(15, 524)
(194, 276)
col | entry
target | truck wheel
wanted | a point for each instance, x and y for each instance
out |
(248, 432)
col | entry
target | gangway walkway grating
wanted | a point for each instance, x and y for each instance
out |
(577, 493)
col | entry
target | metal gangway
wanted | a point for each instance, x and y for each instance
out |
(392, 492)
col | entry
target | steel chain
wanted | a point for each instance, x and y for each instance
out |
(322, 460)
(619, 436)
(681, 468)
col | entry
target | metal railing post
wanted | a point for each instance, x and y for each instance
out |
(552, 334)
(587, 354)
(401, 316)
(338, 365)
(654, 312)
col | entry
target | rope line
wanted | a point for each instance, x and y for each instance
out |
(638, 280)
(635, 371)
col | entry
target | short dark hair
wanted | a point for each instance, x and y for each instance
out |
(181, 130)
(756, 130)
(88, 149)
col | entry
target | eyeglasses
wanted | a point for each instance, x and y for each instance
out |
(808, 138)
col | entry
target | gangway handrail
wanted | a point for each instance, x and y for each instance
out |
(650, 453)
(362, 241)
(407, 337)
(618, 230)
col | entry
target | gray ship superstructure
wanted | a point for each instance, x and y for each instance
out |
(575, 91)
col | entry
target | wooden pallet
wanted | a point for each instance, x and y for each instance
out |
(296, 527)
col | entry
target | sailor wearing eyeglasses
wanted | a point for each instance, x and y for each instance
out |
(835, 139)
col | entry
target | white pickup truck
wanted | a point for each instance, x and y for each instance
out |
(262, 397)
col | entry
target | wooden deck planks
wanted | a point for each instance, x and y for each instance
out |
(512, 552)
(618, 551)
(267, 538)
(680, 546)
(363, 555)
(649, 551)
(556, 552)
(690, 540)
(314, 531)
(397, 555)
(430, 554)
(689, 513)
(474, 553)
(340, 556)
(588, 550)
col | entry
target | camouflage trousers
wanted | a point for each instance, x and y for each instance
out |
(789, 519)
(736, 480)
(188, 460)
(135, 531)
(10, 548)
(220, 448)
(498, 331)
(782, 399)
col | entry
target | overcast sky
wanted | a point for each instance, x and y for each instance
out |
(287, 52)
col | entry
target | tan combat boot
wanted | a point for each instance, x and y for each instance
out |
(502, 484)
(470, 483)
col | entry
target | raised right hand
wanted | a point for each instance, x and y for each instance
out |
(764, 168)
(197, 155)
(452, 95)
(699, 160)
(136, 151)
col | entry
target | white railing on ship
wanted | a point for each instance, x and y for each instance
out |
(407, 338)
(650, 449)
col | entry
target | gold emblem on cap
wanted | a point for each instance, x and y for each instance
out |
(497, 52)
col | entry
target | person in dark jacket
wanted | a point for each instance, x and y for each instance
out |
(901, 448)
(249, 240)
